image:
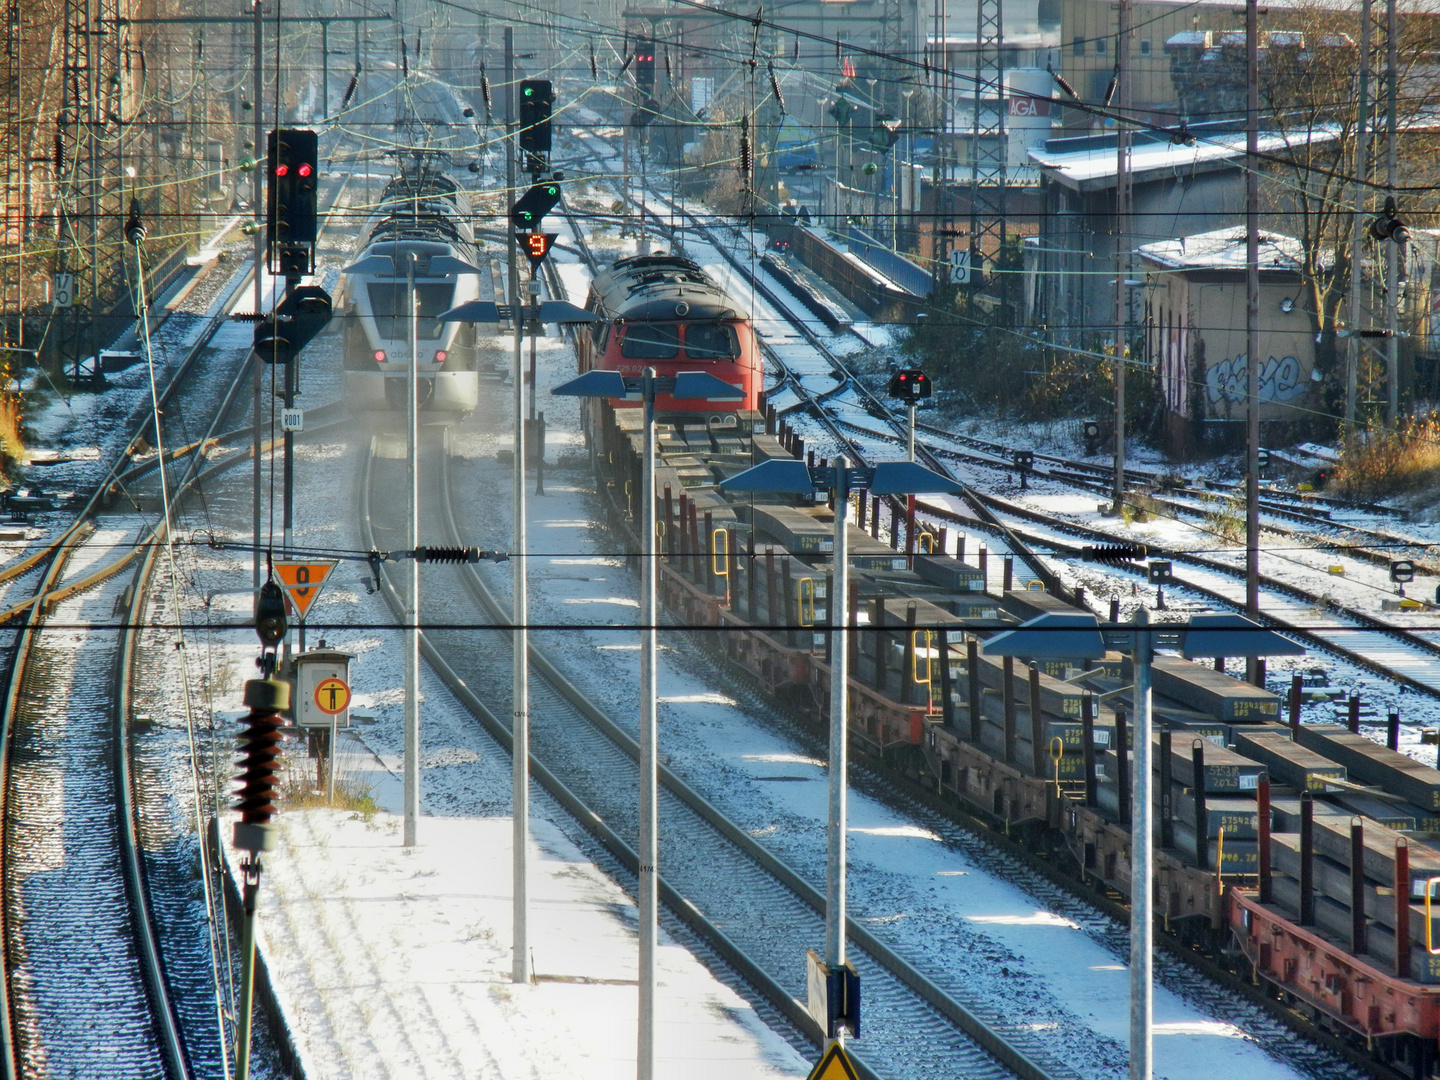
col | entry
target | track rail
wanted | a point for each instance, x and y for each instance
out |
(985, 508)
(54, 558)
(893, 976)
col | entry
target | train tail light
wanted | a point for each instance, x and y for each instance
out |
(379, 356)
(441, 356)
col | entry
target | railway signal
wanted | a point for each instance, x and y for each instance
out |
(537, 97)
(1024, 462)
(292, 217)
(531, 207)
(645, 66)
(910, 385)
(302, 314)
(1402, 572)
(535, 246)
(886, 132)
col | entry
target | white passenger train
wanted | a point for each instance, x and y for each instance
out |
(423, 215)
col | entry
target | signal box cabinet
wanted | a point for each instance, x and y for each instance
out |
(322, 688)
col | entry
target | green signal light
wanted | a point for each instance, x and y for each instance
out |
(529, 91)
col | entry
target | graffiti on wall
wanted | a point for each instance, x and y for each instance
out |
(1280, 380)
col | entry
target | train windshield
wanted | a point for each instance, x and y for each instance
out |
(651, 341)
(388, 302)
(711, 341)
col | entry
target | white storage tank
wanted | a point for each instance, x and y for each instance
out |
(1027, 121)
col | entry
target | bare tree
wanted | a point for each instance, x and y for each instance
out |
(1310, 92)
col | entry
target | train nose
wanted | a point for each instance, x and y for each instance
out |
(395, 393)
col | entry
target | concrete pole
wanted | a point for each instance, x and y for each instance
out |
(1122, 243)
(1356, 344)
(412, 594)
(1142, 922)
(648, 850)
(1392, 246)
(910, 443)
(1252, 315)
(837, 602)
(520, 639)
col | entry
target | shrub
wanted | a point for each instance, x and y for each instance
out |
(1380, 461)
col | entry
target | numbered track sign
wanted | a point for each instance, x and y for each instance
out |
(64, 290)
(302, 582)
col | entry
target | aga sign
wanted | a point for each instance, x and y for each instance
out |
(1029, 106)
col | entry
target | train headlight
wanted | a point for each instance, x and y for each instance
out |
(379, 356)
(441, 356)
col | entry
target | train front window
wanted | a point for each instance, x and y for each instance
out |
(651, 341)
(711, 341)
(388, 303)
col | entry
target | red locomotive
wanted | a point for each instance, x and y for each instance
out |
(664, 311)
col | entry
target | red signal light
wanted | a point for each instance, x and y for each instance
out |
(282, 170)
(441, 356)
(304, 170)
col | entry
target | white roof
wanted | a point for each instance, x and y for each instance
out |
(1223, 249)
(1095, 167)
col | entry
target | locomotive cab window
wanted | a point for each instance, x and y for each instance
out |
(651, 341)
(711, 341)
(388, 303)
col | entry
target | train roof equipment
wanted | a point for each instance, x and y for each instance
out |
(660, 288)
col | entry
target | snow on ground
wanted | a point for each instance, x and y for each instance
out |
(928, 899)
(391, 963)
(396, 962)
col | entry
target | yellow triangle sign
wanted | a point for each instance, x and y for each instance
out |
(835, 1065)
(303, 581)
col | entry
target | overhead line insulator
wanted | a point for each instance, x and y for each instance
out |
(1114, 554)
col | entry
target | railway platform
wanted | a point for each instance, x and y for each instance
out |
(387, 962)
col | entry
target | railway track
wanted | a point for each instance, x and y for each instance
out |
(1369, 643)
(87, 987)
(714, 870)
(1221, 994)
(77, 924)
